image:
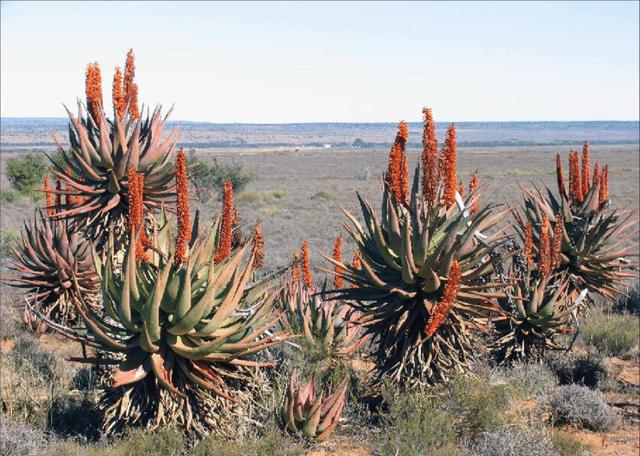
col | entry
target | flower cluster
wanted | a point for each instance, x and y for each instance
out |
(443, 306)
(182, 209)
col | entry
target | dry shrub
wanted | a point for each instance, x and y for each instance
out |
(581, 407)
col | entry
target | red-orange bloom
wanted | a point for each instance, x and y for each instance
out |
(182, 208)
(461, 189)
(338, 281)
(403, 132)
(398, 169)
(575, 181)
(544, 248)
(443, 306)
(295, 268)
(586, 169)
(258, 245)
(133, 102)
(596, 174)
(129, 74)
(560, 176)
(528, 244)
(136, 212)
(450, 169)
(556, 248)
(306, 266)
(603, 191)
(70, 200)
(429, 157)
(356, 263)
(226, 228)
(394, 171)
(404, 178)
(93, 89)
(58, 193)
(48, 196)
(119, 102)
(473, 187)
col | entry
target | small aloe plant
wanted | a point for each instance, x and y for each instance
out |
(309, 412)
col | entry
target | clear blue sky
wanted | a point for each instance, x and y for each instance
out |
(306, 62)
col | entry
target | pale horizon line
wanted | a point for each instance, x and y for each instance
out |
(345, 122)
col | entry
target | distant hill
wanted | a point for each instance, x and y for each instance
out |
(32, 132)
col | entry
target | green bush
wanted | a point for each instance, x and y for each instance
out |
(209, 179)
(25, 174)
(568, 445)
(436, 420)
(525, 381)
(8, 237)
(8, 196)
(610, 334)
(269, 210)
(322, 194)
(416, 424)
(276, 194)
(270, 442)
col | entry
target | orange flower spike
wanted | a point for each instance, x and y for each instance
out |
(133, 102)
(306, 266)
(258, 245)
(560, 176)
(295, 267)
(129, 74)
(58, 193)
(119, 102)
(528, 244)
(556, 248)
(403, 132)
(356, 263)
(182, 208)
(394, 172)
(136, 211)
(398, 169)
(93, 89)
(544, 248)
(572, 176)
(70, 200)
(443, 306)
(338, 281)
(586, 169)
(603, 192)
(450, 178)
(429, 157)
(48, 196)
(404, 178)
(461, 189)
(575, 181)
(596, 174)
(226, 230)
(473, 187)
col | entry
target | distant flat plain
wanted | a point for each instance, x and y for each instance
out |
(297, 192)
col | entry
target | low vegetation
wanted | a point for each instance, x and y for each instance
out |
(611, 334)
(581, 407)
(26, 173)
(208, 178)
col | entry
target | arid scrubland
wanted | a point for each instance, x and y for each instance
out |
(457, 311)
